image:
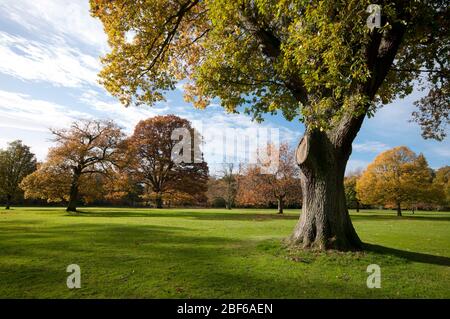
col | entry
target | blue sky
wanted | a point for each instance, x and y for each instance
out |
(49, 52)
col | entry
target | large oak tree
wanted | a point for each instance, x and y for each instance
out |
(157, 161)
(82, 152)
(317, 61)
(397, 176)
(52, 182)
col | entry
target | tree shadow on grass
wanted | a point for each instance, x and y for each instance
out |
(119, 247)
(201, 215)
(247, 215)
(409, 255)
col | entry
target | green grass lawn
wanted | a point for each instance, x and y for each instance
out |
(213, 253)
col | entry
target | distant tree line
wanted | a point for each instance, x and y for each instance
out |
(94, 163)
(397, 179)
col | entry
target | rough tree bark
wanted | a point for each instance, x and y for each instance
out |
(73, 195)
(324, 222)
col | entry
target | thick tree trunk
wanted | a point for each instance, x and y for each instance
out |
(8, 201)
(399, 209)
(73, 195)
(324, 222)
(280, 205)
(357, 206)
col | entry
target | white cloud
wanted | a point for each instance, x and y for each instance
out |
(127, 117)
(28, 119)
(394, 119)
(370, 147)
(39, 142)
(22, 112)
(56, 63)
(63, 18)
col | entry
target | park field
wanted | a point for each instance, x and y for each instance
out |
(215, 253)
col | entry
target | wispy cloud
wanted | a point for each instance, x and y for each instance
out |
(28, 119)
(55, 63)
(127, 117)
(370, 147)
(22, 112)
(63, 18)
